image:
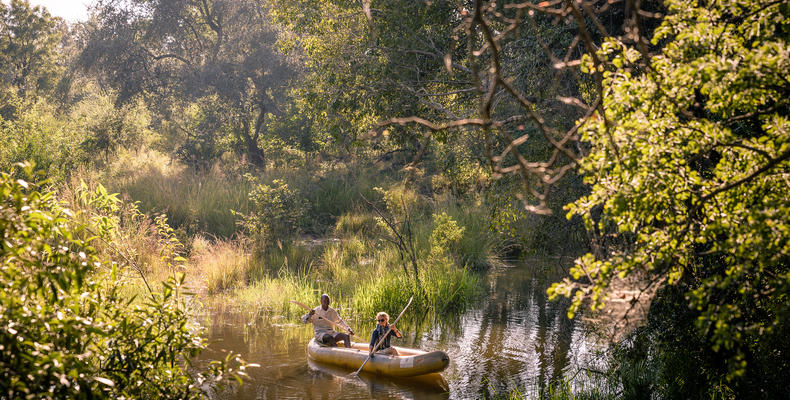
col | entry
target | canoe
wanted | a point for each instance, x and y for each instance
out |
(414, 387)
(410, 362)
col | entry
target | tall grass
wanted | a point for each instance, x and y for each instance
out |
(293, 257)
(337, 192)
(272, 295)
(196, 202)
(357, 267)
(445, 287)
(220, 266)
(481, 246)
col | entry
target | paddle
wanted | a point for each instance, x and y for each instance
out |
(334, 325)
(382, 338)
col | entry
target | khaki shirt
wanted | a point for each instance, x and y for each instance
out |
(321, 325)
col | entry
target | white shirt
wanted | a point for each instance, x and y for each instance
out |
(321, 320)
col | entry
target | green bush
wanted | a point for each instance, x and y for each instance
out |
(446, 236)
(275, 210)
(66, 332)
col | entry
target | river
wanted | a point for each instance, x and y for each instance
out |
(513, 337)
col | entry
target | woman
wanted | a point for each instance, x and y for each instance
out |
(382, 327)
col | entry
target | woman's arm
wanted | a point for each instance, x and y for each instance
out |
(373, 339)
(396, 332)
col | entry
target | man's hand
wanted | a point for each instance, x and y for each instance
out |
(311, 313)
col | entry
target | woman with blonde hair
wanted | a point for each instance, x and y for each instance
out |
(382, 326)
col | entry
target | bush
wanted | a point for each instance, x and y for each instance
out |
(275, 210)
(66, 331)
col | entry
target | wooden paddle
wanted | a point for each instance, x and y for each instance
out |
(334, 325)
(382, 338)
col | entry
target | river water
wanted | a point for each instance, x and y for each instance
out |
(513, 337)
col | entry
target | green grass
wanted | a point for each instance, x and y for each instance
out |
(357, 267)
(196, 202)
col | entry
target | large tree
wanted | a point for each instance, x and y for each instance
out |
(365, 62)
(689, 164)
(683, 140)
(28, 45)
(220, 53)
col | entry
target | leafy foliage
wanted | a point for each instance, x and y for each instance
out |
(66, 330)
(365, 65)
(28, 39)
(689, 166)
(218, 52)
(276, 211)
(446, 235)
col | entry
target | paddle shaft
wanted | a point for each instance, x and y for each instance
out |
(385, 335)
(334, 325)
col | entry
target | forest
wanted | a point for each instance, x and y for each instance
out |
(165, 159)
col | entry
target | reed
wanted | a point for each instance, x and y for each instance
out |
(481, 246)
(297, 257)
(196, 202)
(221, 265)
(272, 295)
(444, 287)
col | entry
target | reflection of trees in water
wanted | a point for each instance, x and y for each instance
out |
(518, 337)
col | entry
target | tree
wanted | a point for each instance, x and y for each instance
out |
(367, 62)
(28, 45)
(190, 50)
(683, 141)
(688, 162)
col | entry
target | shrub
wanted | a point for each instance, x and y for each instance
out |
(66, 331)
(446, 236)
(274, 211)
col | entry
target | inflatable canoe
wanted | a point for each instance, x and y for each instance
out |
(410, 362)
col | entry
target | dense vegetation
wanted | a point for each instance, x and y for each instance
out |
(257, 152)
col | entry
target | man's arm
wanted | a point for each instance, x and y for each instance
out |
(342, 323)
(308, 317)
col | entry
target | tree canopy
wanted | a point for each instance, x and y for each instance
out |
(689, 166)
(219, 54)
(28, 41)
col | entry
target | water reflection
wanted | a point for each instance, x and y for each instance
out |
(513, 337)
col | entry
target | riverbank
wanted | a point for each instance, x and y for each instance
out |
(356, 232)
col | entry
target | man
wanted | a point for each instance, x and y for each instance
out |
(322, 318)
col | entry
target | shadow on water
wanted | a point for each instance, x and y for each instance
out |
(512, 338)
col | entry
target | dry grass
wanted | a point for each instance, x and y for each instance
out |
(219, 266)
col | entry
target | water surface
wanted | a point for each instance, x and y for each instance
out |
(513, 337)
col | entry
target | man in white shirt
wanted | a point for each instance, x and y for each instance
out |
(324, 318)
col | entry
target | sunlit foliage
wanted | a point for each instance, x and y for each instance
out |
(689, 166)
(66, 332)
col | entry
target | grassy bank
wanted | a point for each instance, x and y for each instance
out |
(244, 244)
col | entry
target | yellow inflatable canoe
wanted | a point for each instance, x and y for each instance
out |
(410, 362)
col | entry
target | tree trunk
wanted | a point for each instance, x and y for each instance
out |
(253, 152)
